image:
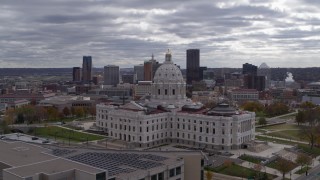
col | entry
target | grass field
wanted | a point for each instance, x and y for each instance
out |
(62, 134)
(281, 126)
(275, 164)
(250, 159)
(289, 134)
(305, 147)
(236, 170)
(301, 171)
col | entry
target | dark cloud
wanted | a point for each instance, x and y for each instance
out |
(56, 33)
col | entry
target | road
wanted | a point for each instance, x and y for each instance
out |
(314, 174)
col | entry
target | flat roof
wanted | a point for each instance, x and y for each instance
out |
(52, 167)
(20, 153)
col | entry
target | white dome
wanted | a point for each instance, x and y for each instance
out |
(168, 73)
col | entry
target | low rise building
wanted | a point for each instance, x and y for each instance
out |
(242, 95)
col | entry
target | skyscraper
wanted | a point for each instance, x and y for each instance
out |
(193, 65)
(150, 68)
(111, 75)
(76, 74)
(139, 71)
(249, 69)
(87, 69)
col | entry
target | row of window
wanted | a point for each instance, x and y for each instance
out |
(159, 136)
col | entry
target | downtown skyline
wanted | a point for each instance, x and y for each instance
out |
(228, 33)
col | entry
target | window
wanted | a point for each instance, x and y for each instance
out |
(166, 92)
(154, 177)
(161, 176)
(200, 138)
(171, 172)
(178, 170)
(222, 131)
(178, 126)
(222, 141)
(200, 129)
(158, 91)
(207, 130)
(173, 91)
(213, 131)
(212, 140)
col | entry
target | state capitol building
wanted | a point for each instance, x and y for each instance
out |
(170, 117)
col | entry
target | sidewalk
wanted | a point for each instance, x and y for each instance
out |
(269, 170)
(284, 139)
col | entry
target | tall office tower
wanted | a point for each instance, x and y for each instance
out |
(111, 75)
(86, 68)
(264, 70)
(139, 71)
(250, 78)
(249, 69)
(150, 68)
(76, 74)
(193, 65)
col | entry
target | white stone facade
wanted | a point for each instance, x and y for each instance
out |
(147, 130)
(169, 117)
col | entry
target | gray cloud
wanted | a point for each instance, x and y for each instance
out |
(56, 33)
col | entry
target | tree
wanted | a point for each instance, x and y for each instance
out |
(277, 109)
(73, 111)
(300, 117)
(303, 160)
(53, 113)
(66, 111)
(253, 106)
(311, 131)
(4, 127)
(93, 111)
(307, 105)
(9, 116)
(79, 111)
(284, 166)
(209, 175)
(262, 121)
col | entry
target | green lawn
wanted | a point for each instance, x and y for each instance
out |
(292, 116)
(275, 140)
(250, 159)
(289, 134)
(305, 147)
(236, 170)
(281, 126)
(301, 171)
(54, 132)
(274, 164)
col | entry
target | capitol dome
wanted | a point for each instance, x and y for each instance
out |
(168, 72)
(168, 83)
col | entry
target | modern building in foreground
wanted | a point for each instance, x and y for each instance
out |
(169, 117)
(23, 161)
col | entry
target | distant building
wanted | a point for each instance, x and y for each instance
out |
(315, 99)
(150, 68)
(242, 95)
(87, 69)
(95, 80)
(129, 78)
(251, 79)
(33, 98)
(193, 65)
(76, 74)
(111, 75)
(142, 88)
(208, 74)
(139, 71)
(249, 69)
(264, 70)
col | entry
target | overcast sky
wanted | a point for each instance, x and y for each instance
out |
(57, 33)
